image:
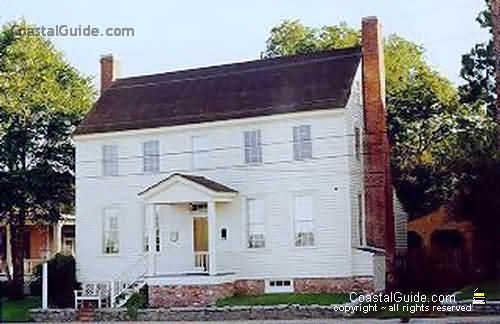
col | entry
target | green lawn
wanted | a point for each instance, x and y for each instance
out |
(402, 310)
(491, 290)
(17, 311)
(288, 299)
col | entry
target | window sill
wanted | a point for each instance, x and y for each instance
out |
(306, 247)
(253, 163)
(255, 250)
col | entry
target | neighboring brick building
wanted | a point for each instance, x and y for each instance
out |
(443, 246)
(40, 240)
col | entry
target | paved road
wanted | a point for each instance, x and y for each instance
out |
(448, 320)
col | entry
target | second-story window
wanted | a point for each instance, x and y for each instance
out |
(253, 146)
(302, 142)
(357, 143)
(110, 160)
(151, 156)
(200, 147)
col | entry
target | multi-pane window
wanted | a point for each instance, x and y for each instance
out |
(198, 208)
(303, 220)
(357, 142)
(110, 160)
(157, 232)
(110, 237)
(302, 143)
(200, 146)
(360, 220)
(151, 156)
(255, 215)
(253, 146)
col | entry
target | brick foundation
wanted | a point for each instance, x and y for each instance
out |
(205, 295)
(333, 285)
(188, 295)
(249, 287)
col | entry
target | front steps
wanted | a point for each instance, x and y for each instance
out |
(86, 314)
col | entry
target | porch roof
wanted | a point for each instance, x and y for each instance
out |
(178, 187)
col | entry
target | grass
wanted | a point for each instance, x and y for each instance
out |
(390, 310)
(491, 290)
(285, 299)
(17, 311)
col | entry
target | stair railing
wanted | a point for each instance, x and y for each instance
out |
(128, 278)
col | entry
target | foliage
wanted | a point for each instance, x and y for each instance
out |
(478, 69)
(285, 299)
(3, 289)
(291, 37)
(42, 99)
(137, 301)
(62, 281)
(18, 311)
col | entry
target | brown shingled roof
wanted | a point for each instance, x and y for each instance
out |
(205, 182)
(320, 80)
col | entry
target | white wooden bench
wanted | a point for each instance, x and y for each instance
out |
(99, 292)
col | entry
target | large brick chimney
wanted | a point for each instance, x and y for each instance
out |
(109, 70)
(378, 186)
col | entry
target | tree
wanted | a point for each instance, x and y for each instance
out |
(478, 69)
(291, 37)
(419, 100)
(42, 98)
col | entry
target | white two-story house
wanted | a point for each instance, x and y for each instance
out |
(244, 178)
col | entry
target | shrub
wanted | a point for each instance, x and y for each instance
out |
(135, 302)
(3, 288)
(62, 280)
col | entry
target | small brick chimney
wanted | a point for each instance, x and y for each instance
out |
(378, 187)
(109, 70)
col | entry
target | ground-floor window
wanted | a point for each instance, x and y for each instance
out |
(303, 220)
(110, 238)
(279, 286)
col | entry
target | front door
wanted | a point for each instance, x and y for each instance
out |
(200, 244)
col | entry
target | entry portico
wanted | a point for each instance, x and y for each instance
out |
(195, 197)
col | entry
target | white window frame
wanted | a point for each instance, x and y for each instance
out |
(249, 224)
(252, 146)
(151, 156)
(106, 232)
(294, 217)
(198, 150)
(198, 209)
(276, 286)
(110, 164)
(302, 142)
(157, 231)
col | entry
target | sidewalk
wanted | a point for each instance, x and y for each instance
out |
(447, 320)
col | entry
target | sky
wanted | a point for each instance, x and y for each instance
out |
(173, 35)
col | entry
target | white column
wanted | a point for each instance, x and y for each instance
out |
(58, 237)
(150, 221)
(45, 285)
(212, 239)
(9, 250)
